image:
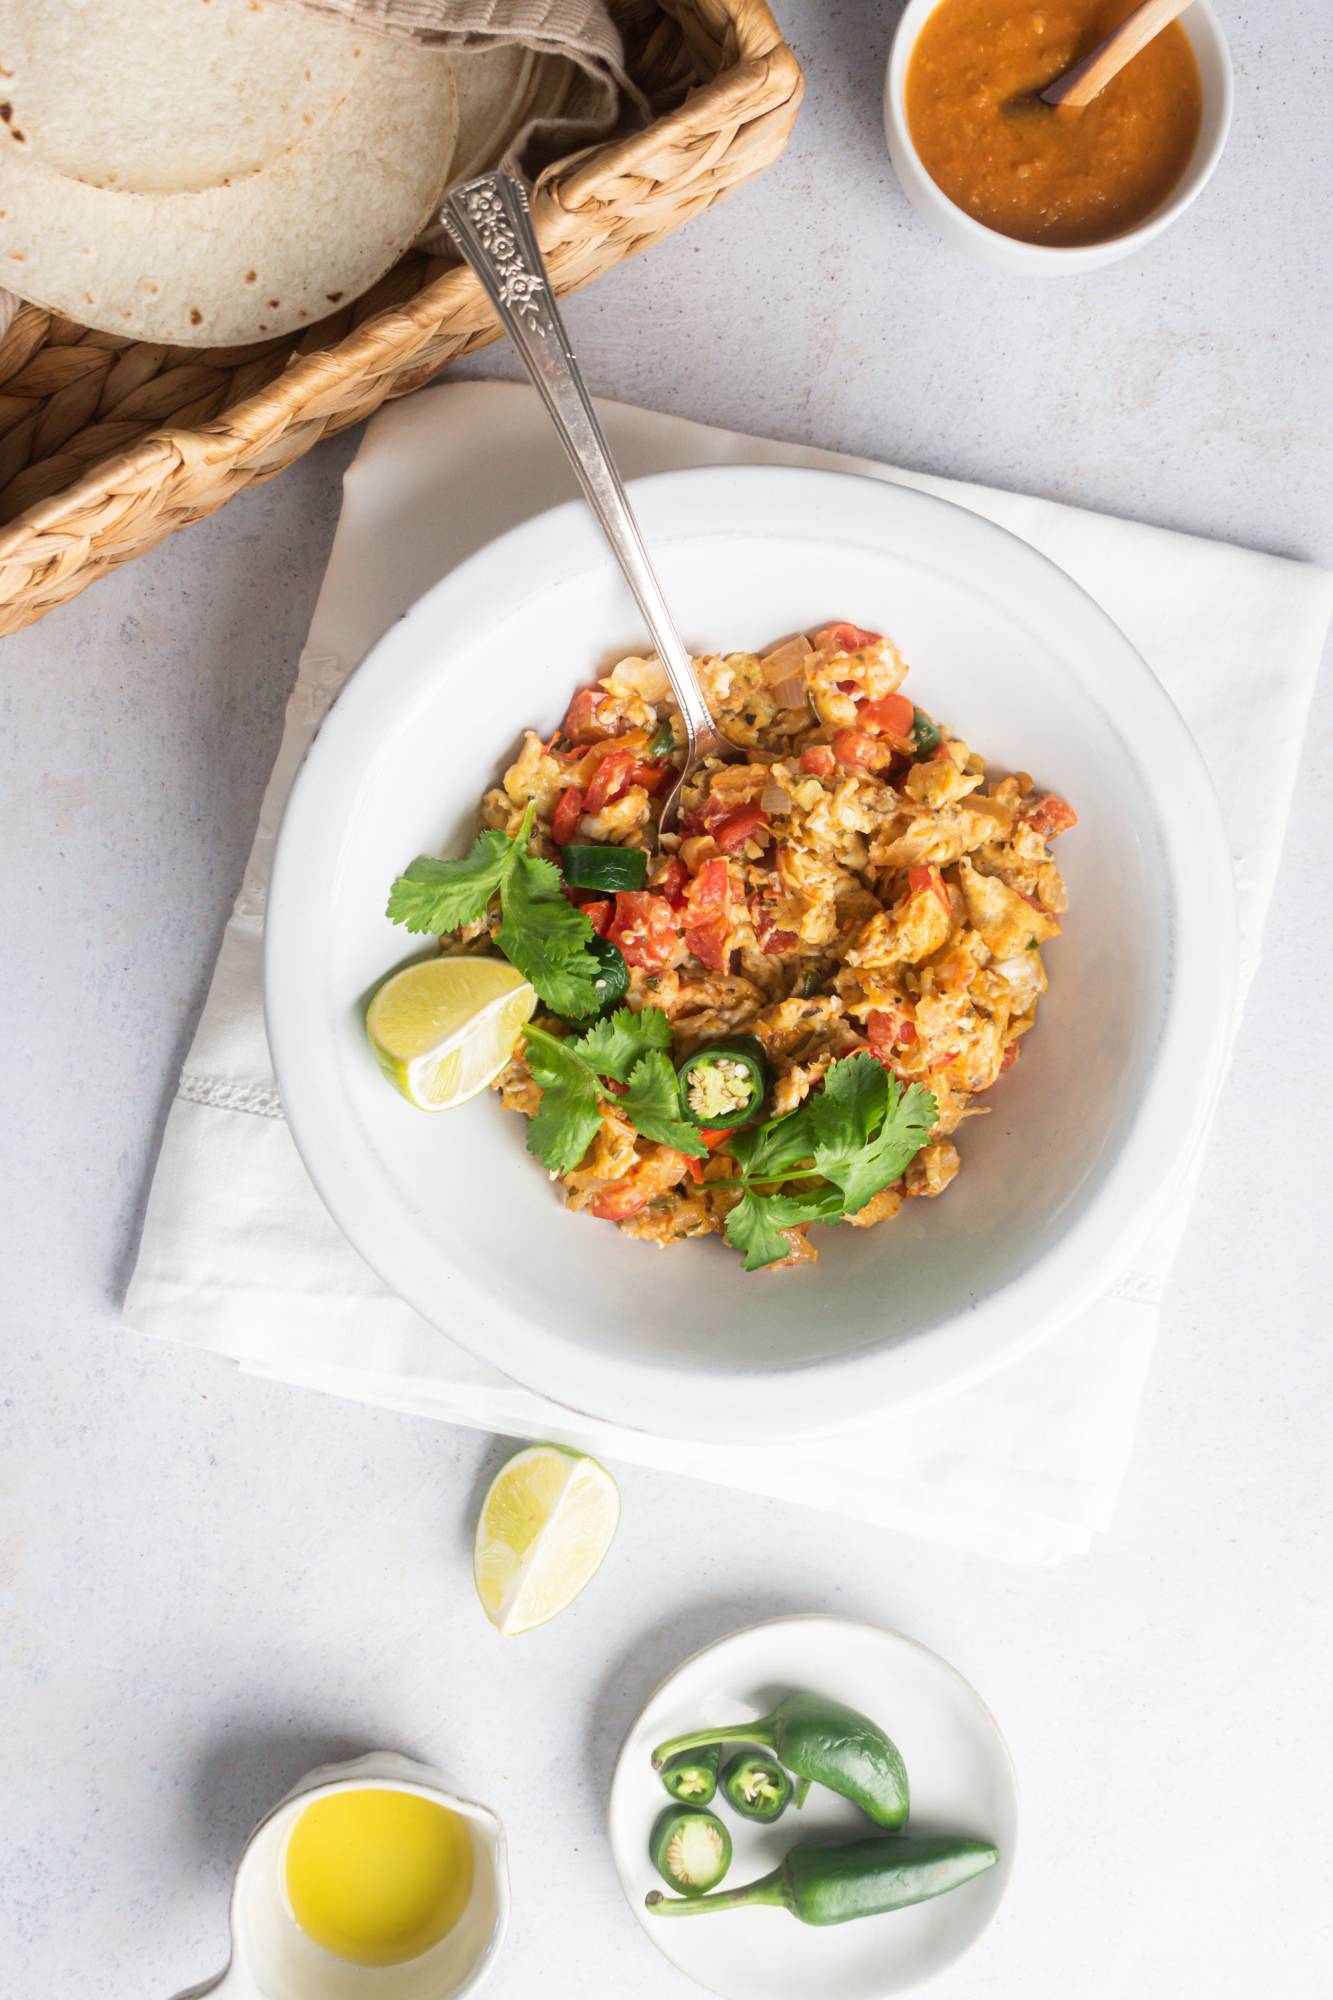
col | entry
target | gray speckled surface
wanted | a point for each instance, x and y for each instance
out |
(210, 1583)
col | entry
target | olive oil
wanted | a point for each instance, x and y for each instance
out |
(377, 1877)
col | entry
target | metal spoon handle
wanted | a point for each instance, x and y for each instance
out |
(489, 219)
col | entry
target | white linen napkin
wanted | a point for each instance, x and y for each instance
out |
(238, 1253)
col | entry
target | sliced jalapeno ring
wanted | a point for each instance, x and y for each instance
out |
(605, 868)
(692, 1777)
(926, 734)
(690, 1849)
(613, 977)
(757, 1787)
(663, 739)
(724, 1084)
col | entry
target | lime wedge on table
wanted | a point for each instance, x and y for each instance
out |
(445, 1028)
(546, 1523)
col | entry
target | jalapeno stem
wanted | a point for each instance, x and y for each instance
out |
(698, 1739)
(770, 1889)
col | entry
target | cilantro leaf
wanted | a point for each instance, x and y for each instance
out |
(770, 1151)
(756, 1223)
(652, 1105)
(614, 1046)
(867, 1127)
(539, 932)
(444, 895)
(569, 1073)
(546, 937)
(566, 1121)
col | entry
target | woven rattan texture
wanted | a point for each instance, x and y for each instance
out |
(107, 446)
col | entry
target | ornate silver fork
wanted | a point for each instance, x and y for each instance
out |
(489, 220)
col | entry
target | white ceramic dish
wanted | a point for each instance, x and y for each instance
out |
(962, 1781)
(1087, 1135)
(1043, 260)
(272, 1959)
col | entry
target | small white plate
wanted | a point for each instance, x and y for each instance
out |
(962, 1781)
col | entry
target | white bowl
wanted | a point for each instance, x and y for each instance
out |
(1086, 1135)
(1038, 260)
(961, 1777)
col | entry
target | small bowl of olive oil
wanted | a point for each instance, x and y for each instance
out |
(369, 1881)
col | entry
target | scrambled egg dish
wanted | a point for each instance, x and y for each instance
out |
(856, 881)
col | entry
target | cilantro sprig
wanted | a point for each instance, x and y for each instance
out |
(539, 931)
(832, 1154)
(629, 1049)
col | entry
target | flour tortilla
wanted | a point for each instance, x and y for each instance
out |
(263, 167)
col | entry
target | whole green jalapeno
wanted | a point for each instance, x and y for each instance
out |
(823, 1743)
(756, 1787)
(833, 1884)
(692, 1777)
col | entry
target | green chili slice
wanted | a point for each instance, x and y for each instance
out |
(612, 980)
(724, 1084)
(663, 739)
(757, 1787)
(926, 734)
(692, 1777)
(824, 1883)
(605, 868)
(690, 1849)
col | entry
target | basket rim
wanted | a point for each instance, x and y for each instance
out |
(403, 330)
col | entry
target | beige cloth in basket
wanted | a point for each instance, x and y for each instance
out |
(581, 30)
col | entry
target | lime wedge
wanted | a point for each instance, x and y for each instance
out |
(546, 1523)
(442, 1030)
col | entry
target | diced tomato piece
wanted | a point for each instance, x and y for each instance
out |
(849, 687)
(711, 942)
(710, 890)
(568, 813)
(929, 878)
(888, 1029)
(715, 1139)
(645, 928)
(652, 776)
(819, 760)
(581, 724)
(599, 913)
(659, 1170)
(613, 776)
(1010, 1056)
(671, 882)
(708, 916)
(737, 827)
(1051, 815)
(860, 752)
(892, 714)
(779, 941)
(843, 638)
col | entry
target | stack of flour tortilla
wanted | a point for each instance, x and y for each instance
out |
(215, 172)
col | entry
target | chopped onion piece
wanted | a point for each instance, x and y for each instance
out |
(776, 798)
(785, 672)
(646, 677)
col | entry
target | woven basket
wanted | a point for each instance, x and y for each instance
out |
(107, 445)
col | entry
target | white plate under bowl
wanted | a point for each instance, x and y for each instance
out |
(1084, 1139)
(961, 1777)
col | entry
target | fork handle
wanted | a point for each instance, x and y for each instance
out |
(490, 221)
